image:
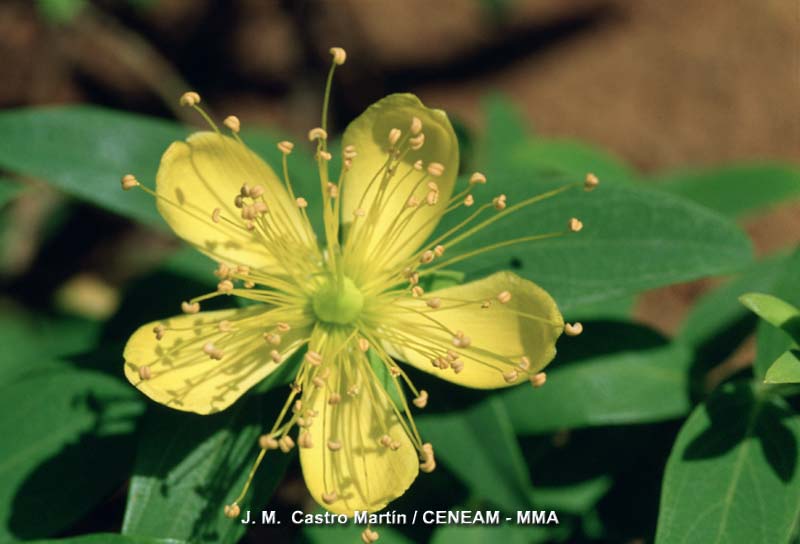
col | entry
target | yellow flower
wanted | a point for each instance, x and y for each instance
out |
(351, 305)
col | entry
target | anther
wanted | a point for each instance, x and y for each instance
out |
(334, 398)
(469, 200)
(477, 177)
(305, 440)
(339, 55)
(232, 122)
(144, 373)
(590, 182)
(225, 286)
(504, 296)
(359, 212)
(433, 186)
(128, 182)
(212, 351)
(261, 207)
(285, 147)
(524, 363)
(417, 142)
(510, 376)
(385, 440)
(238, 201)
(412, 202)
(499, 202)
(368, 536)
(363, 344)
(575, 225)
(349, 152)
(457, 365)
(434, 303)
(394, 136)
(190, 98)
(333, 190)
(413, 279)
(223, 271)
(416, 125)
(432, 198)
(573, 329)
(249, 284)
(427, 257)
(301, 202)
(313, 358)
(486, 304)
(435, 169)
(353, 390)
(159, 331)
(460, 340)
(286, 444)
(418, 165)
(421, 401)
(272, 338)
(324, 155)
(428, 461)
(267, 442)
(216, 215)
(330, 498)
(438, 250)
(317, 134)
(190, 308)
(417, 291)
(256, 191)
(394, 371)
(538, 380)
(283, 327)
(232, 510)
(276, 356)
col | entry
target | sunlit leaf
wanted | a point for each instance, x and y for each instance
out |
(607, 376)
(774, 311)
(733, 475)
(786, 369)
(736, 190)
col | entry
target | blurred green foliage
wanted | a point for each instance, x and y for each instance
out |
(592, 443)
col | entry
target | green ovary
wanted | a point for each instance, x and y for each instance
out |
(338, 302)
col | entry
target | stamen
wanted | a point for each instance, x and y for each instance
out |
(232, 122)
(510, 376)
(286, 443)
(334, 399)
(438, 250)
(190, 98)
(499, 202)
(285, 147)
(305, 440)
(394, 136)
(190, 308)
(477, 177)
(434, 303)
(573, 329)
(225, 286)
(128, 182)
(417, 142)
(427, 257)
(313, 358)
(575, 225)
(538, 380)
(216, 214)
(469, 200)
(428, 461)
(232, 510)
(591, 182)
(212, 351)
(421, 401)
(504, 296)
(416, 125)
(324, 155)
(368, 536)
(418, 165)
(524, 363)
(363, 344)
(276, 356)
(330, 498)
(349, 152)
(267, 442)
(272, 338)
(317, 133)
(435, 169)
(159, 331)
(302, 203)
(339, 55)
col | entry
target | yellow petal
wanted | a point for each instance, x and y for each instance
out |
(362, 473)
(177, 372)
(206, 172)
(369, 134)
(528, 325)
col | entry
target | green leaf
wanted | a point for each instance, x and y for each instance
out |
(608, 376)
(732, 475)
(772, 342)
(786, 369)
(109, 538)
(188, 467)
(85, 150)
(350, 534)
(719, 310)
(633, 239)
(478, 446)
(9, 190)
(774, 311)
(735, 190)
(479, 534)
(67, 444)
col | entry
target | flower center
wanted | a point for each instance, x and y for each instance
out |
(338, 302)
